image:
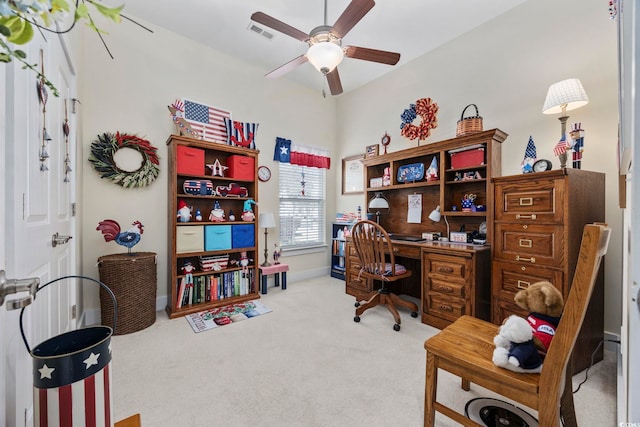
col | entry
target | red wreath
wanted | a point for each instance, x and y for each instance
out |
(427, 110)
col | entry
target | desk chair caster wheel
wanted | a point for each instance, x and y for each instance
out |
(414, 314)
(396, 327)
(356, 319)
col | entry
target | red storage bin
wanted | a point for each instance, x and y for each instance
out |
(467, 158)
(241, 167)
(190, 161)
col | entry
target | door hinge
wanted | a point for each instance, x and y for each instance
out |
(73, 209)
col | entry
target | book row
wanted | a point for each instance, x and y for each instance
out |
(214, 287)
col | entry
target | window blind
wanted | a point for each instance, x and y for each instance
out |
(302, 197)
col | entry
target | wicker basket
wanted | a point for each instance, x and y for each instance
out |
(469, 125)
(133, 280)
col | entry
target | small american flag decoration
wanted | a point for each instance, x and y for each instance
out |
(207, 120)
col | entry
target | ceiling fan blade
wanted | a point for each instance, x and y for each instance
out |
(374, 55)
(333, 78)
(351, 15)
(284, 69)
(264, 19)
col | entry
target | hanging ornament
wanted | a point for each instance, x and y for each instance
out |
(302, 183)
(42, 97)
(65, 131)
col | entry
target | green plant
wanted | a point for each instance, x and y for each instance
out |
(19, 17)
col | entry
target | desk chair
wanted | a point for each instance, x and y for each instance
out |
(465, 349)
(377, 262)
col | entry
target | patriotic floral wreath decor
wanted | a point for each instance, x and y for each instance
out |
(107, 144)
(427, 110)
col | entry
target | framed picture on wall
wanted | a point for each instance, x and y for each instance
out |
(372, 150)
(353, 174)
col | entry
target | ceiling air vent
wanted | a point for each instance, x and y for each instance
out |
(253, 27)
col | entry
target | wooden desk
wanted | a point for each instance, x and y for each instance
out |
(132, 421)
(451, 279)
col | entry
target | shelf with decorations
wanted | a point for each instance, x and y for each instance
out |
(212, 227)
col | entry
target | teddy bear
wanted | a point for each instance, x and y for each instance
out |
(518, 350)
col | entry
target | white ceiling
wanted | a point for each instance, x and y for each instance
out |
(410, 27)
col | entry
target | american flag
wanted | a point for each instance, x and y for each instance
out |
(561, 146)
(207, 120)
(73, 388)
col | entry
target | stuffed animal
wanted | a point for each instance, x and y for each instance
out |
(515, 349)
(544, 303)
(523, 351)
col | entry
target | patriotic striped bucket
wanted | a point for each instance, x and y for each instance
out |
(72, 374)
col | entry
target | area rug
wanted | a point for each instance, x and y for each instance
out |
(212, 318)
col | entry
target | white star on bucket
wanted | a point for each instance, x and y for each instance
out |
(45, 371)
(91, 360)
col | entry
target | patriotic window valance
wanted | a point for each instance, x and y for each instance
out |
(303, 155)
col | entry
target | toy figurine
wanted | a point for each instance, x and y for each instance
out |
(232, 216)
(276, 253)
(187, 269)
(217, 214)
(577, 144)
(244, 260)
(184, 211)
(247, 212)
(198, 215)
(386, 177)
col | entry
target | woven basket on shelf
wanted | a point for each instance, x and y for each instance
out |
(469, 125)
(133, 280)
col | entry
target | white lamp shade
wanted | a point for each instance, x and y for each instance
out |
(435, 214)
(325, 56)
(378, 202)
(266, 220)
(567, 92)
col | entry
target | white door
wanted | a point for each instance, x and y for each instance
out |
(38, 203)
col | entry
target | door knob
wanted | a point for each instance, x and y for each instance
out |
(13, 286)
(57, 239)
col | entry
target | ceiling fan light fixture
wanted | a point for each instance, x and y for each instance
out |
(325, 56)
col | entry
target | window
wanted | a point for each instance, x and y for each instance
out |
(302, 206)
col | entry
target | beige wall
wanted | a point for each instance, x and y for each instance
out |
(504, 66)
(131, 94)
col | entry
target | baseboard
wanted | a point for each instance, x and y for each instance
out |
(92, 316)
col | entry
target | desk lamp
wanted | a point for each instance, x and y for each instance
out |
(378, 205)
(266, 221)
(564, 96)
(436, 215)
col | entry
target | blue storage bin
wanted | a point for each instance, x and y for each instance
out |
(242, 236)
(217, 237)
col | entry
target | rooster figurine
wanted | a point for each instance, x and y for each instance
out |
(129, 238)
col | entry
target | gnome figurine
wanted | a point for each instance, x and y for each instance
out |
(184, 211)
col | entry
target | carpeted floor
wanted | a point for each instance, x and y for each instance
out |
(305, 364)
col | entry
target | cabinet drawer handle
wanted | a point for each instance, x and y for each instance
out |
(532, 216)
(525, 243)
(526, 201)
(445, 270)
(532, 260)
(446, 307)
(445, 289)
(523, 285)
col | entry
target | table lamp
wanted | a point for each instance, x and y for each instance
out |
(436, 215)
(266, 221)
(378, 205)
(564, 96)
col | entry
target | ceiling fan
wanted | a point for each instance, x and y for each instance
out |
(325, 43)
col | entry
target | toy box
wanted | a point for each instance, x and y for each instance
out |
(241, 167)
(217, 237)
(242, 236)
(190, 161)
(469, 157)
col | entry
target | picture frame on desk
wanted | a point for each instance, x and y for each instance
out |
(372, 151)
(353, 174)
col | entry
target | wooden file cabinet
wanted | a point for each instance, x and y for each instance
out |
(539, 219)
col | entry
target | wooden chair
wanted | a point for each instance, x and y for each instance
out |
(377, 262)
(465, 349)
